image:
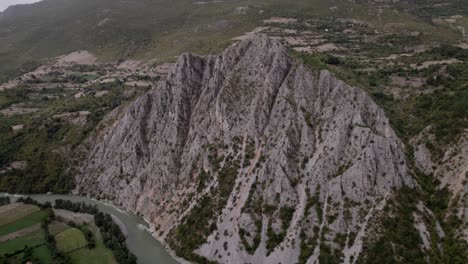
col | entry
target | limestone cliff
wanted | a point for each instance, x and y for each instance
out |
(255, 154)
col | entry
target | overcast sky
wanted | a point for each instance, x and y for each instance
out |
(6, 3)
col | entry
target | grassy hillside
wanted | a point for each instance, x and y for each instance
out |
(162, 29)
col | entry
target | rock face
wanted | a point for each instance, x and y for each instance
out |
(268, 155)
(451, 170)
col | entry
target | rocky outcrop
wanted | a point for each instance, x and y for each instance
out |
(273, 158)
(451, 170)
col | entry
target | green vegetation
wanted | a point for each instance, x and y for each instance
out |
(453, 247)
(343, 168)
(31, 245)
(110, 236)
(308, 245)
(328, 255)
(13, 246)
(42, 254)
(12, 96)
(314, 201)
(70, 240)
(67, 245)
(255, 240)
(97, 255)
(201, 221)
(4, 201)
(24, 222)
(16, 213)
(273, 238)
(285, 214)
(445, 108)
(46, 143)
(399, 235)
(255, 209)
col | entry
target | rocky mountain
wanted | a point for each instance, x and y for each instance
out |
(249, 157)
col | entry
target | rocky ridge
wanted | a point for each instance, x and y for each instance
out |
(260, 157)
(451, 170)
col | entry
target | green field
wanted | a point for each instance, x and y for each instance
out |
(17, 213)
(70, 240)
(24, 222)
(43, 254)
(98, 255)
(18, 244)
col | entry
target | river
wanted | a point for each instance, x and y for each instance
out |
(139, 241)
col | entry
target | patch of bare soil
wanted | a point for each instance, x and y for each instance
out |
(102, 93)
(130, 65)
(307, 49)
(138, 84)
(8, 85)
(56, 227)
(18, 109)
(20, 233)
(296, 41)
(81, 57)
(77, 218)
(406, 82)
(396, 56)
(75, 118)
(251, 34)
(463, 45)
(279, 20)
(8, 207)
(327, 47)
(207, 2)
(426, 64)
(164, 68)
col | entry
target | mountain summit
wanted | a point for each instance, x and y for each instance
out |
(249, 157)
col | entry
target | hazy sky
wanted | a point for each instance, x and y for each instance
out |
(6, 3)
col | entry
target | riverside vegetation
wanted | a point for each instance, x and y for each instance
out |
(32, 231)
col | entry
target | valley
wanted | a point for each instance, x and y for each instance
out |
(247, 131)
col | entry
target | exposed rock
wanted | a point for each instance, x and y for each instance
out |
(15, 165)
(422, 155)
(453, 173)
(451, 170)
(307, 148)
(17, 128)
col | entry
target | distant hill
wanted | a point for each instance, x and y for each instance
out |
(148, 29)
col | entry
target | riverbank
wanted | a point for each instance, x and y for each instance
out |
(140, 242)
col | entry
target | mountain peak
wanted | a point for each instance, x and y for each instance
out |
(240, 143)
